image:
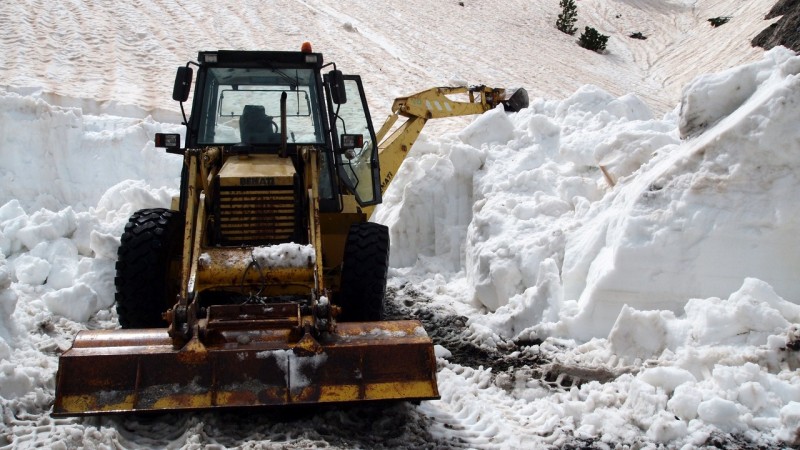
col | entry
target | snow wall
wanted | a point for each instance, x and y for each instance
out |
(563, 213)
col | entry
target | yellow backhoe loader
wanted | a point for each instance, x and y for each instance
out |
(264, 283)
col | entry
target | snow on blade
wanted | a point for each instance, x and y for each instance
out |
(285, 255)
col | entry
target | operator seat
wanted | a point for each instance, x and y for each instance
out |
(256, 127)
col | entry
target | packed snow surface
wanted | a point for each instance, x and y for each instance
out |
(642, 240)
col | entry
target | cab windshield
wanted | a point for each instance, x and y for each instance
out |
(244, 105)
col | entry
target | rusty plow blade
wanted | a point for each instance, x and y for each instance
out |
(114, 371)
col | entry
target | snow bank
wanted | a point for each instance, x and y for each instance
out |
(71, 182)
(567, 211)
(701, 217)
(67, 257)
(725, 366)
(57, 156)
(672, 262)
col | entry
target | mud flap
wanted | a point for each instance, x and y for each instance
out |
(115, 371)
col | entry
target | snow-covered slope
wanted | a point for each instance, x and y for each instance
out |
(101, 55)
(596, 273)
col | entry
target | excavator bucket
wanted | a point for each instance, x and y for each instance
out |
(516, 101)
(245, 363)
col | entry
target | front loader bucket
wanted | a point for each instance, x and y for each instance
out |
(114, 371)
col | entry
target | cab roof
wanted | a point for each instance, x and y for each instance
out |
(269, 59)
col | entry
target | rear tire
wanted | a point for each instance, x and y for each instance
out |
(148, 270)
(365, 268)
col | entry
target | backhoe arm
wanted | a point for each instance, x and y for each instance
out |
(434, 103)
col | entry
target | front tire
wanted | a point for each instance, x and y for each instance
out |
(148, 267)
(365, 268)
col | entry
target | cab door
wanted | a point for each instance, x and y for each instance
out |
(357, 166)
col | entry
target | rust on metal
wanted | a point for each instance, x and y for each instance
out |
(235, 267)
(140, 370)
(253, 316)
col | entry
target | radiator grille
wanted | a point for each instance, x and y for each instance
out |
(257, 216)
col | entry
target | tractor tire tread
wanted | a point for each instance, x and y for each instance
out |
(364, 272)
(146, 247)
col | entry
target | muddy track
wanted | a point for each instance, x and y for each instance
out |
(451, 332)
(509, 361)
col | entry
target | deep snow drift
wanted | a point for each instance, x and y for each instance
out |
(657, 250)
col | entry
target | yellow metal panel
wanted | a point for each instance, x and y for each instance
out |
(265, 394)
(139, 371)
(257, 170)
(340, 393)
(378, 391)
(350, 205)
(400, 389)
(335, 227)
(193, 198)
(315, 232)
(81, 403)
(184, 401)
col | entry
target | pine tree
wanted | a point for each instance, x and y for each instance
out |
(568, 17)
(592, 39)
(719, 21)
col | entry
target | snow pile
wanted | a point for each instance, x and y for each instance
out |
(68, 191)
(727, 363)
(582, 206)
(500, 198)
(725, 366)
(594, 226)
(70, 183)
(8, 303)
(702, 217)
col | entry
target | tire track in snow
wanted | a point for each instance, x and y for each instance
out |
(486, 393)
(345, 19)
(348, 22)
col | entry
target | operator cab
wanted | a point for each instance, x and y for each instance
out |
(257, 102)
(243, 106)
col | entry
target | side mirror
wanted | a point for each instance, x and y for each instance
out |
(336, 84)
(183, 82)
